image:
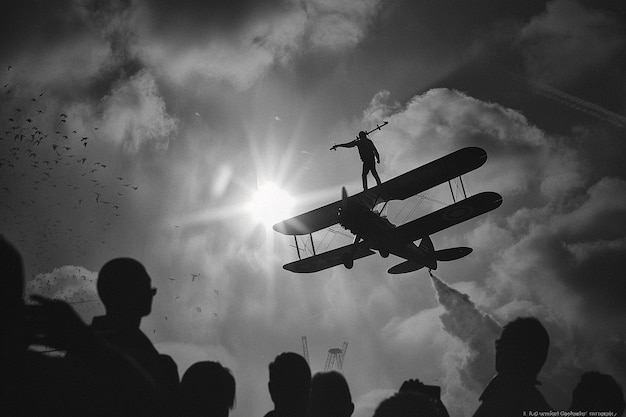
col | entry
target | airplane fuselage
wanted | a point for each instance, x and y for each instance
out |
(375, 230)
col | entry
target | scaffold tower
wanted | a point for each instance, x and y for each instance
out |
(305, 350)
(335, 358)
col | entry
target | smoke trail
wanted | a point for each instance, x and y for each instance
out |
(476, 329)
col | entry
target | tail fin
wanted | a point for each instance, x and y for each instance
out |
(431, 256)
(427, 246)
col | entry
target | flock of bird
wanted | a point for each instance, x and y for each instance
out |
(57, 196)
(52, 185)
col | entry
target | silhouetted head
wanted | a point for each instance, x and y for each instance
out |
(362, 135)
(406, 404)
(330, 395)
(596, 391)
(124, 288)
(290, 382)
(11, 301)
(522, 348)
(207, 389)
(12, 282)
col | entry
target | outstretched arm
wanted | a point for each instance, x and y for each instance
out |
(344, 145)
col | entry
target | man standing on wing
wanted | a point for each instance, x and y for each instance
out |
(368, 152)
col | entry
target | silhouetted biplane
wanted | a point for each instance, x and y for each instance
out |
(375, 232)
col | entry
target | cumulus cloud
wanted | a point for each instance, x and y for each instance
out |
(73, 284)
(525, 158)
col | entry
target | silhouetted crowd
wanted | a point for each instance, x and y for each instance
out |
(112, 369)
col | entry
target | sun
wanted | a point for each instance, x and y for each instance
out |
(270, 204)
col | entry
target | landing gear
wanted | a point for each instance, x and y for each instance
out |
(384, 253)
(348, 258)
(348, 261)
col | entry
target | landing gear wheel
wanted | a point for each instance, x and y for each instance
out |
(384, 253)
(348, 262)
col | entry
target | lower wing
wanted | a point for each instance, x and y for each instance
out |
(446, 217)
(328, 259)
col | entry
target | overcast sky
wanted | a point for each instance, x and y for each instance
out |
(143, 129)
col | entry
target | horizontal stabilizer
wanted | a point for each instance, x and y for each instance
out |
(404, 267)
(452, 254)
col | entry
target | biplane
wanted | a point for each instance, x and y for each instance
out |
(374, 232)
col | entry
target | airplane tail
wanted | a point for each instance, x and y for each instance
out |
(426, 245)
(431, 256)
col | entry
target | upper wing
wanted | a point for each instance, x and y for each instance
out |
(432, 174)
(310, 221)
(398, 188)
(328, 259)
(446, 217)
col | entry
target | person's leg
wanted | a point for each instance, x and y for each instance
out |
(375, 174)
(364, 176)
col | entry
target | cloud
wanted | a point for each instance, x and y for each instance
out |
(553, 249)
(365, 404)
(190, 50)
(569, 39)
(340, 24)
(525, 158)
(73, 284)
(135, 114)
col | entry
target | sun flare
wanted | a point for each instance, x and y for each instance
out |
(270, 204)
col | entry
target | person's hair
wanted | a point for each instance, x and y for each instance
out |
(523, 345)
(290, 379)
(406, 404)
(362, 134)
(598, 391)
(330, 395)
(208, 386)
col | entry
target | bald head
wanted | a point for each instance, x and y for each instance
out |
(124, 287)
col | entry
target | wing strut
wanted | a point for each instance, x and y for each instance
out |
(462, 188)
(312, 245)
(451, 191)
(295, 238)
